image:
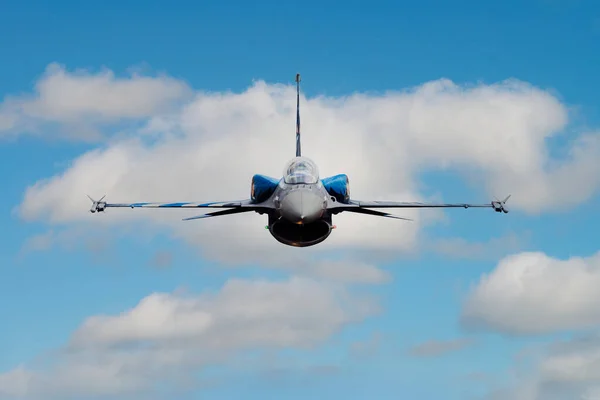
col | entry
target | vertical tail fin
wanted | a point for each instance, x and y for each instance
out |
(298, 150)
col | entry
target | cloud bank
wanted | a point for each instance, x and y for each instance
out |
(567, 369)
(168, 338)
(533, 293)
(77, 101)
(208, 147)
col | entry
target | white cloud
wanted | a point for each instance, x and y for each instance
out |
(78, 100)
(208, 150)
(305, 312)
(562, 370)
(530, 293)
(166, 335)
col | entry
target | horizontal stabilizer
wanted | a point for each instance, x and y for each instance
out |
(219, 213)
(374, 212)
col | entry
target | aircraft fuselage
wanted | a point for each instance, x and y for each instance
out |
(301, 204)
(300, 200)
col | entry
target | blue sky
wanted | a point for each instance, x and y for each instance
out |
(60, 267)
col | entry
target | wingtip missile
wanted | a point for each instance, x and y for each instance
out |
(97, 205)
(500, 205)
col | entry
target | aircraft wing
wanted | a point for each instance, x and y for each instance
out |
(235, 207)
(363, 206)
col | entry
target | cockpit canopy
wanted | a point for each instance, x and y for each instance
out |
(301, 170)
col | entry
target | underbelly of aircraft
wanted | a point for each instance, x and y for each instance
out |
(300, 235)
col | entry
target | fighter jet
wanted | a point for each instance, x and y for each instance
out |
(300, 204)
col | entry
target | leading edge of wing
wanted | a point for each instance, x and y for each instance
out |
(247, 204)
(366, 211)
(220, 213)
(215, 204)
(399, 204)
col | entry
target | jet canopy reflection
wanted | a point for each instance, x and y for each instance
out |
(301, 170)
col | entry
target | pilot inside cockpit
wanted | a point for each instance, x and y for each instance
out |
(301, 170)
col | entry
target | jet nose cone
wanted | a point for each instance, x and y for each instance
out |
(302, 206)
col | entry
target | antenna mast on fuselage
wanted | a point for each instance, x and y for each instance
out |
(298, 150)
